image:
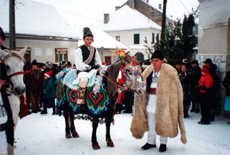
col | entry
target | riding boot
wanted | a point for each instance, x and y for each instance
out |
(81, 92)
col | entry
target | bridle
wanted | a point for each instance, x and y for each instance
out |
(16, 54)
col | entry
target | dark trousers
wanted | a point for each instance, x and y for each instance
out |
(50, 102)
(205, 107)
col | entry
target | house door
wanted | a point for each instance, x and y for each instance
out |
(108, 59)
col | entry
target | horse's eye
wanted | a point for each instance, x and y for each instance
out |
(7, 67)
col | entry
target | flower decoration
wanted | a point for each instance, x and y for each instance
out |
(122, 54)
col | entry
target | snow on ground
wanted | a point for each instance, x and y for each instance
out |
(39, 134)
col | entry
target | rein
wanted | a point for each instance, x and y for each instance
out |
(115, 83)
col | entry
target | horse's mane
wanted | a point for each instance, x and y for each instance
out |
(112, 75)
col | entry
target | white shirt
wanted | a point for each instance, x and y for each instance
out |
(151, 106)
(78, 58)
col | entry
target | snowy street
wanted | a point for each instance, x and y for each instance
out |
(39, 134)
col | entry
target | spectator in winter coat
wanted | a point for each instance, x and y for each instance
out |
(185, 82)
(226, 84)
(214, 89)
(48, 93)
(34, 81)
(194, 76)
(178, 66)
(205, 83)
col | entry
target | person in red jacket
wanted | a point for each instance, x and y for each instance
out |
(204, 85)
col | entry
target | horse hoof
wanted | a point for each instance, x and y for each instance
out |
(68, 135)
(110, 143)
(75, 134)
(96, 147)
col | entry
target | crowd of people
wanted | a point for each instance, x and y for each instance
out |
(171, 92)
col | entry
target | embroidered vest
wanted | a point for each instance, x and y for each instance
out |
(149, 81)
(86, 54)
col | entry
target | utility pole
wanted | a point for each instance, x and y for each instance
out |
(163, 20)
(12, 39)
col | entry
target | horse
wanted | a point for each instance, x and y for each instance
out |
(100, 98)
(14, 63)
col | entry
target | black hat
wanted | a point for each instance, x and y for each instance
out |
(157, 54)
(3, 74)
(2, 34)
(87, 32)
(208, 61)
(34, 62)
(195, 62)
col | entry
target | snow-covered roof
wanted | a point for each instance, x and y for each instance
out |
(176, 9)
(102, 39)
(33, 18)
(127, 18)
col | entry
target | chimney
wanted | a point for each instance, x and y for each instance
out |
(117, 8)
(132, 4)
(160, 6)
(106, 18)
(147, 1)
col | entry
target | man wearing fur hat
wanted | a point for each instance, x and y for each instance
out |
(160, 109)
(87, 60)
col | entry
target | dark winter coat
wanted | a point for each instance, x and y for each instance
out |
(226, 83)
(185, 82)
(49, 89)
(34, 82)
(194, 76)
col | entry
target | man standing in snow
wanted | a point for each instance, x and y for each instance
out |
(87, 60)
(160, 109)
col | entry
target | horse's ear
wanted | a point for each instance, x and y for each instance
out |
(3, 53)
(22, 52)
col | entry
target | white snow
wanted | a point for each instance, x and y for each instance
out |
(38, 134)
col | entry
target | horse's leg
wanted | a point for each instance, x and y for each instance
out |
(73, 130)
(108, 138)
(67, 124)
(95, 144)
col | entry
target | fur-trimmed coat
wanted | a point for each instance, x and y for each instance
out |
(169, 106)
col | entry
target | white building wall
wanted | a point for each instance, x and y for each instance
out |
(127, 38)
(44, 50)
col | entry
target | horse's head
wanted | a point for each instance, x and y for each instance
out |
(14, 63)
(133, 78)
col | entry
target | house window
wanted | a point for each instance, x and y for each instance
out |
(61, 54)
(136, 38)
(27, 55)
(158, 37)
(118, 38)
(153, 38)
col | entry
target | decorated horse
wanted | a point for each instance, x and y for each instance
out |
(101, 96)
(14, 63)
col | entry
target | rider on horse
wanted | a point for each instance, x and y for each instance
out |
(87, 60)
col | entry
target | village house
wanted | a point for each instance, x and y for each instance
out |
(48, 36)
(139, 20)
